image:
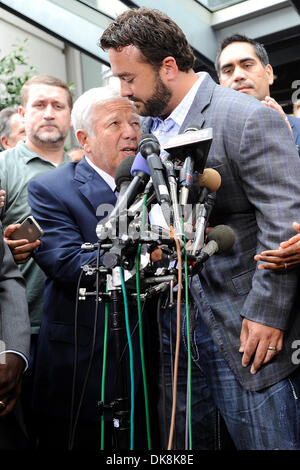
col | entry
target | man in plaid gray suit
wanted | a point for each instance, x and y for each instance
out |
(247, 320)
(243, 64)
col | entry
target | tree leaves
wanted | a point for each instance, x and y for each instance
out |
(12, 75)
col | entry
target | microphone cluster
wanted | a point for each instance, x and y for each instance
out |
(154, 171)
(179, 192)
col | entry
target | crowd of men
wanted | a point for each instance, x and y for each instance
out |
(245, 301)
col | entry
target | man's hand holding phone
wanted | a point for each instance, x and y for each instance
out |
(21, 248)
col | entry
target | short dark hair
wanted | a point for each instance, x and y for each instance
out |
(259, 49)
(45, 80)
(154, 33)
(5, 124)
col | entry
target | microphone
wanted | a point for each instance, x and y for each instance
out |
(209, 181)
(220, 239)
(149, 148)
(169, 165)
(171, 173)
(139, 181)
(186, 173)
(140, 164)
(185, 180)
(209, 204)
(192, 143)
(201, 223)
(123, 175)
(136, 208)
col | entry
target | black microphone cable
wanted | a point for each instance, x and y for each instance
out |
(187, 313)
(162, 362)
(169, 310)
(141, 326)
(127, 324)
(75, 363)
(74, 424)
(104, 368)
(172, 358)
(126, 346)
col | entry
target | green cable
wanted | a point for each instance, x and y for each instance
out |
(141, 328)
(188, 338)
(130, 359)
(104, 369)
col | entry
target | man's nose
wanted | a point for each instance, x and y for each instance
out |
(238, 74)
(125, 89)
(48, 112)
(129, 131)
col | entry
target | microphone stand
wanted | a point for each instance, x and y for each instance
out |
(120, 405)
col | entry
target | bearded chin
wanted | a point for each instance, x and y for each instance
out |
(49, 139)
(158, 103)
(154, 108)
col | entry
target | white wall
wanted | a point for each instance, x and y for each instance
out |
(44, 52)
(51, 56)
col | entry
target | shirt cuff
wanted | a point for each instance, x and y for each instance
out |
(19, 354)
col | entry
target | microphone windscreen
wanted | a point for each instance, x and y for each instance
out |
(209, 179)
(123, 171)
(148, 144)
(140, 164)
(223, 235)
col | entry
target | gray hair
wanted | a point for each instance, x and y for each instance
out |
(5, 124)
(82, 112)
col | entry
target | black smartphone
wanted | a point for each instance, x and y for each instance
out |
(29, 230)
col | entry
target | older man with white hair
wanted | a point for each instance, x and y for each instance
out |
(66, 205)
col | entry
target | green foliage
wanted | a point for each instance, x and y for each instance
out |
(11, 80)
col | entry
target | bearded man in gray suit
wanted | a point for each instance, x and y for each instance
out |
(247, 319)
(14, 349)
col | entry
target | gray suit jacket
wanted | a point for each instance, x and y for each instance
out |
(14, 319)
(259, 198)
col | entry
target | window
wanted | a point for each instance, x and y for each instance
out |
(214, 5)
(111, 8)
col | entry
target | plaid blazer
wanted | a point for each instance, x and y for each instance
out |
(259, 197)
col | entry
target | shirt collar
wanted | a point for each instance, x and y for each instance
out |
(178, 114)
(29, 154)
(107, 178)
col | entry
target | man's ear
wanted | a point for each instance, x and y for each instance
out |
(4, 143)
(169, 68)
(270, 73)
(82, 137)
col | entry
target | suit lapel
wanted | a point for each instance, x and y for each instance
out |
(146, 125)
(95, 190)
(201, 101)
